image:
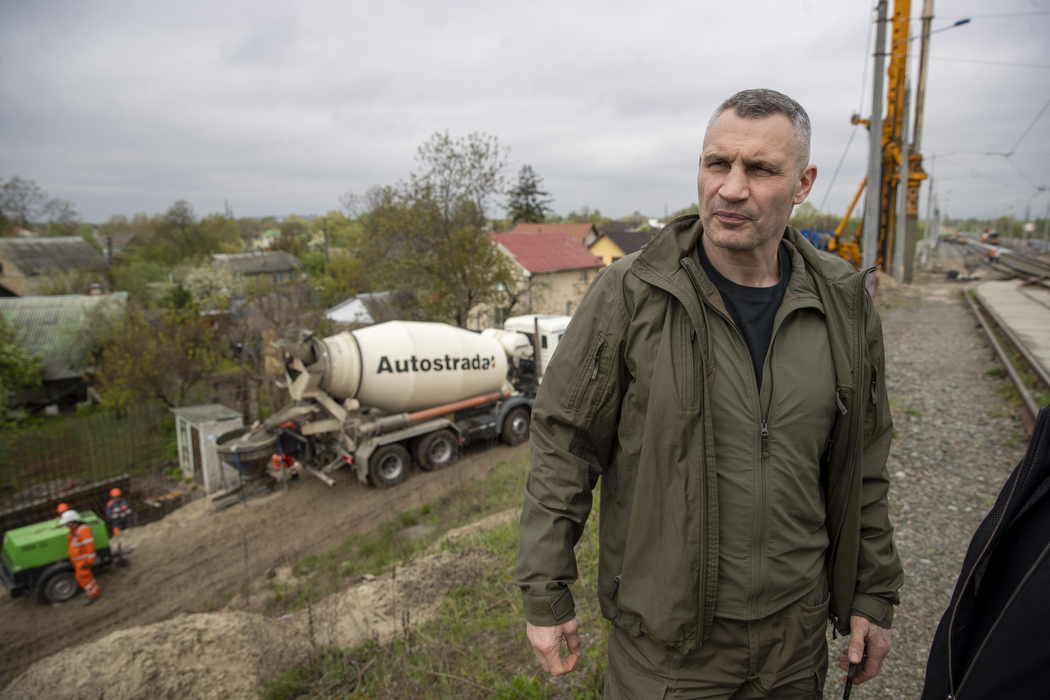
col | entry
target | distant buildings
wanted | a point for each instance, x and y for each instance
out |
(584, 234)
(555, 268)
(58, 329)
(619, 239)
(267, 267)
(26, 263)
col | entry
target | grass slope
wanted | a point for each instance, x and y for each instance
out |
(476, 648)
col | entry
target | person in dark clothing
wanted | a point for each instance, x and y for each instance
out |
(117, 511)
(989, 643)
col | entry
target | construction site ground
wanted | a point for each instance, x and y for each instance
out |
(956, 441)
(197, 557)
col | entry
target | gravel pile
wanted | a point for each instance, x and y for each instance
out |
(957, 442)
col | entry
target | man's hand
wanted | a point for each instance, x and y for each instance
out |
(868, 646)
(546, 642)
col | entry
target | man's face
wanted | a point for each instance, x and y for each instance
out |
(747, 182)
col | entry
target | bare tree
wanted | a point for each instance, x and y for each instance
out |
(23, 200)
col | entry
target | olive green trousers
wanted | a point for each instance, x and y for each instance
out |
(784, 656)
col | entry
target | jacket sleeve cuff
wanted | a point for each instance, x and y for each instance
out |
(872, 608)
(547, 611)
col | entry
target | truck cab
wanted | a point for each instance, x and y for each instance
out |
(551, 330)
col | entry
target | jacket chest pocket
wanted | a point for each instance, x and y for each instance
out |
(686, 361)
(593, 373)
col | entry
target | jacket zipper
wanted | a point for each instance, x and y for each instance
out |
(984, 641)
(977, 562)
(597, 360)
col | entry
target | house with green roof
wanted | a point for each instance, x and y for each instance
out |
(57, 330)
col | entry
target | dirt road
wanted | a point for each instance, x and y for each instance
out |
(195, 555)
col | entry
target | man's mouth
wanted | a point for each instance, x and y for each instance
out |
(728, 217)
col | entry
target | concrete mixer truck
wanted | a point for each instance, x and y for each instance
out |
(382, 398)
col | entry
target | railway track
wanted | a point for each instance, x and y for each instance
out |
(1025, 369)
(1012, 263)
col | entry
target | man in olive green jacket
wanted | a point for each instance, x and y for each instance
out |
(731, 497)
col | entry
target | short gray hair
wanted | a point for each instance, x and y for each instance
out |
(763, 102)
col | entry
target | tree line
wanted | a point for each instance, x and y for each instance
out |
(190, 319)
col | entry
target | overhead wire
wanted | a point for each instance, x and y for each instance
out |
(860, 109)
(988, 63)
(1030, 126)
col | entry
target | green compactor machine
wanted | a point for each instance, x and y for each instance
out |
(34, 560)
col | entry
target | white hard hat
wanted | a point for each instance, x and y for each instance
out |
(70, 516)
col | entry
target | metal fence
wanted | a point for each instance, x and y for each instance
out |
(40, 465)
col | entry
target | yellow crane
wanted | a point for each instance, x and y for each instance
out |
(893, 126)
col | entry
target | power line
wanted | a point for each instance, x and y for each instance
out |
(1005, 14)
(860, 108)
(1030, 126)
(838, 167)
(867, 55)
(989, 63)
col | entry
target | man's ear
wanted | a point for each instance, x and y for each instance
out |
(805, 184)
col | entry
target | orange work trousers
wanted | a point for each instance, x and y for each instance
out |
(86, 580)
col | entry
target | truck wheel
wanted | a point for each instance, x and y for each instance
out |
(388, 465)
(516, 426)
(437, 450)
(61, 587)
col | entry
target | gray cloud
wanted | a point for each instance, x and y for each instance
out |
(125, 107)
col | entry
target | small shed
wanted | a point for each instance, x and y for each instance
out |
(196, 429)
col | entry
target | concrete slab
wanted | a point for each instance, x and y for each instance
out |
(1025, 309)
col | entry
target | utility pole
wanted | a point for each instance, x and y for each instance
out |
(924, 59)
(927, 234)
(871, 211)
(911, 232)
(901, 242)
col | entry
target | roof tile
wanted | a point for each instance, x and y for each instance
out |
(546, 252)
(37, 256)
(53, 326)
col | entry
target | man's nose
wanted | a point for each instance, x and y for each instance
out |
(734, 187)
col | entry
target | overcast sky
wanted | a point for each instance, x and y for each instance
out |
(281, 107)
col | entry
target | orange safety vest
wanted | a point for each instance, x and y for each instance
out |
(81, 546)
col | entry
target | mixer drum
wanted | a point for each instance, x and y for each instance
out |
(405, 365)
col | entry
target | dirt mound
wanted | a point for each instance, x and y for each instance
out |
(196, 556)
(192, 656)
(182, 518)
(228, 655)
(385, 605)
(488, 523)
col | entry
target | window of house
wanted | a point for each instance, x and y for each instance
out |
(583, 277)
(568, 308)
(614, 259)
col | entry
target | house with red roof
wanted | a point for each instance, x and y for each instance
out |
(556, 269)
(584, 233)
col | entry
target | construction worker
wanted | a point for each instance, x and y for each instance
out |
(289, 444)
(81, 548)
(117, 511)
(285, 461)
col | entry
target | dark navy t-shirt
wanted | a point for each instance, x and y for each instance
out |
(752, 309)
